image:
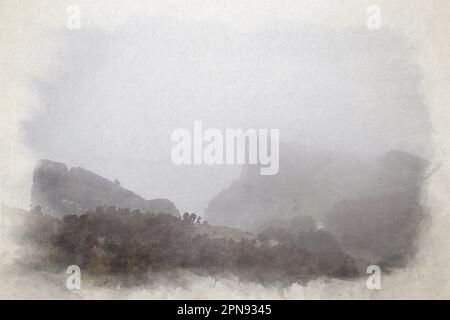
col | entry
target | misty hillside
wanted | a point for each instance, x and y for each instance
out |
(309, 182)
(386, 219)
(322, 215)
(130, 244)
(369, 206)
(133, 247)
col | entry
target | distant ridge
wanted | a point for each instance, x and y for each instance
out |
(61, 191)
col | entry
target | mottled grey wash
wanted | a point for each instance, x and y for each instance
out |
(116, 98)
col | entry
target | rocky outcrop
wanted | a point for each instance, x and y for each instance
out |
(372, 207)
(386, 221)
(254, 201)
(61, 191)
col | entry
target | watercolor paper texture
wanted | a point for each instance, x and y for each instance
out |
(225, 149)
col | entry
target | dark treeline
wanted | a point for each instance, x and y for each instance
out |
(113, 241)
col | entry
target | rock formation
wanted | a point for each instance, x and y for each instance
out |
(371, 207)
(386, 221)
(61, 191)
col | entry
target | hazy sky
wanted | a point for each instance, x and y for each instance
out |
(116, 96)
